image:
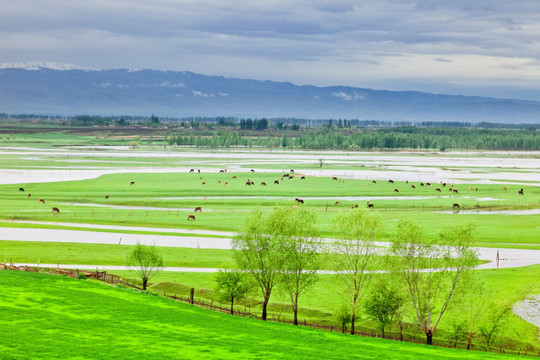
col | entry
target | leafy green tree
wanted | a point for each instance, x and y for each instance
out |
(232, 284)
(357, 254)
(258, 252)
(300, 247)
(383, 304)
(343, 316)
(432, 269)
(146, 261)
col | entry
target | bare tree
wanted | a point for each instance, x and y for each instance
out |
(356, 254)
(146, 261)
(432, 269)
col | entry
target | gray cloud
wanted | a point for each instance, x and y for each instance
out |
(375, 43)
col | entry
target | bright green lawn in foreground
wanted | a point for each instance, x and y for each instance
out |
(67, 318)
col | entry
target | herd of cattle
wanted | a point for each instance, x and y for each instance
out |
(249, 182)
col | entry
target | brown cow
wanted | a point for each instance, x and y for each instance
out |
(263, 183)
(443, 184)
(504, 188)
(471, 188)
(396, 190)
(428, 184)
(198, 208)
(355, 206)
(248, 182)
(412, 186)
(437, 189)
(455, 190)
(204, 183)
(276, 182)
(132, 183)
(337, 203)
(106, 196)
(226, 183)
(421, 184)
(219, 182)
(334, 178)
(41, 201)
(29, 195)
(55, 210)
(234, 177)
(300, 201)
(191, 217)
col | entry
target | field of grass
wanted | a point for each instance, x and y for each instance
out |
(67, 318)
(163, 200)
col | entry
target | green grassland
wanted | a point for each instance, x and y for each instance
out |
(167, 190)
(67, 318)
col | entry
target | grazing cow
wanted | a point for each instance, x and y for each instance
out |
(191, 217)
(132, 183)
(198, 208)
(443, 184)
(221, 171)
(55, 210)
(412, 186)
(455, 190)
(285, 175)
(355, 206)
(300, 201)
(391, 181)
(199, 171)
(292, 170)
(106, 196)
(373, 181)
(248, 182)
(234, 177)
(192, 170)
(219, 181)
(41, 201)
(437, 189)
(276, 182)
(303, 178)
(476, 189)
(520, 192)
(252, 183)
(337, 203)
(471, 188)
(396, 190)
(263, 183)
(370, 206)
(29, 195)
(334, 178)
(21, 189)
(226, 183)
(450, 189)
(203, 183)
(421, 184)
(504, 188)
(252, 170)
(456, 205)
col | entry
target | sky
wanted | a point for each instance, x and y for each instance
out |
(468, 47)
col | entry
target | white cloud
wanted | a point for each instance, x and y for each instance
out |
(201, 94)
(346, 96)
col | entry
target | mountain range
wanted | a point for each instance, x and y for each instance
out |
(64, 89)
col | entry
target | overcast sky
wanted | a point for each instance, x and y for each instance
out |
(470, 47)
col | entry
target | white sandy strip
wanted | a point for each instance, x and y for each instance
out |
(92, 237)
(508, 258)
(126, 228)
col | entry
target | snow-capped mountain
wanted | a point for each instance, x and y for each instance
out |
(63, 89)
(40, 65)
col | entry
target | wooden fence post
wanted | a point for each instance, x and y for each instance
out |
(191, 294)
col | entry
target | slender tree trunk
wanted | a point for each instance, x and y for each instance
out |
(429, 337)
(295, 310)
(265, 304)
(352, 321)
(144, 281)
(383, 333)
(468, 342)
(232, 305)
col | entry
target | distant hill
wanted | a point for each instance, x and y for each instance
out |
(63, 89)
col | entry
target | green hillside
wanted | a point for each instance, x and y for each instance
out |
(47, 316)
